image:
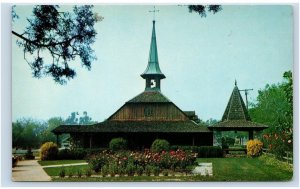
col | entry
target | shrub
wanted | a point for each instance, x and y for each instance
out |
(29, 154)
(139, 170)
(105, 170)
(156, 171)
(113, 169)
(254, 148)
(165, 173)
(117, 144)
(70, 173)
(159, 145)
(79, 173)
(148, 170)
(62, 173)
(88, 172)
(49, 151)
(96, 162)
(202, 151)
(130, 169)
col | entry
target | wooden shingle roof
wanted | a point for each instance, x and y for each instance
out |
(150, 96)
(134, 127)
(236, 109)
(236, 116)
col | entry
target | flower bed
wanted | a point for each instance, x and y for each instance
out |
(146, 162)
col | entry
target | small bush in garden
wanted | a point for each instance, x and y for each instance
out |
(139, 170)
(79, 173)
(130, 169)
(148, 170)
(113, 169)
(117, 144)
(96, 162)
(156, 171)
(160, 145)
(254, 148)
(49, 151)
(29, 154)
(62, 173)
(105, 170)
(88, 172)
(70, 173)
(165, 173)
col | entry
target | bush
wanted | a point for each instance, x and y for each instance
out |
(202, 151)
(29, 154)
(49, 151)
(79, 173)
(113, 169)
(160, 145)
(105, 170)
(118, 144)
(254, 148)
(130, 169)
(156, 171)
(88, 172)
(148, 170)
(70, 173)
(62, 173)
(139, 170)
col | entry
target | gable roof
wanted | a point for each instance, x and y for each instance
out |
(236, 109)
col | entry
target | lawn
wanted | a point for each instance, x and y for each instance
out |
(224, 169)
(59, 162)
(246, 169)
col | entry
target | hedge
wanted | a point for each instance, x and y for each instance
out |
(202, 151)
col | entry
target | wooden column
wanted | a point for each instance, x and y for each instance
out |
(251, 135)
(193, 141)
(57, 140)
(91, 136)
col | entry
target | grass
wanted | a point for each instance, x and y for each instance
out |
(224, 169)
(54, 171)
(246, 169)
(59, 162)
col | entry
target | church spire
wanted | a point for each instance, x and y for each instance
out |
(153, 74)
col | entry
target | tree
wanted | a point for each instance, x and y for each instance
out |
(274, 108)
(26, 133)
(74, 120)
(52, 123)
(203, 9)
(63, 35)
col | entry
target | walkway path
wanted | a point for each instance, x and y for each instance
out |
(65, 165)
(29, 170)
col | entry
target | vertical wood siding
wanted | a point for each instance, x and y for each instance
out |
(149, 112)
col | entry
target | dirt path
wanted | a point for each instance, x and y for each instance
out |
(29, 170)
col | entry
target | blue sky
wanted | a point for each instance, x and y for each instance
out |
(200, 57)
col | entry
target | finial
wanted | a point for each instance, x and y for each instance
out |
(154, 10)
(235, 83)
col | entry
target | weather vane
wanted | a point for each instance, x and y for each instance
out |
(154, 10)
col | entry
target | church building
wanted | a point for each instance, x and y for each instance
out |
(148, 116)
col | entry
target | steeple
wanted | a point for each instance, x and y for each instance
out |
(236, 109)
(153, 74)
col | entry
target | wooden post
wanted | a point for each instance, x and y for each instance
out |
(193, 141)
(91, 141)
(57, 140)
(251, 135)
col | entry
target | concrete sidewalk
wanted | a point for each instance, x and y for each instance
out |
(29, 170)
(65, 165)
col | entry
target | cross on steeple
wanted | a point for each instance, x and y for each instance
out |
(154, 10)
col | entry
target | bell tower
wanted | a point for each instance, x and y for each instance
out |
(153, 74)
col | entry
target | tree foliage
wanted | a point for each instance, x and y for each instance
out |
(202, 10)
(75, 119)
(274, 108)
(63, 35)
